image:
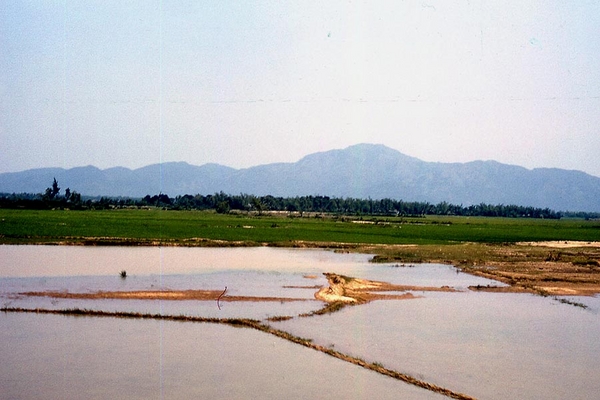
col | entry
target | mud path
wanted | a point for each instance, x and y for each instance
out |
(341, 289)
(202, 295)
(254, 324)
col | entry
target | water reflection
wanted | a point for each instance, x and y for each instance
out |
(483, 344)
(492, 346)
(39, 261)
(58, 357)
(270, 272)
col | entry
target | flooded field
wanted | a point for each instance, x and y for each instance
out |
(58, 357)
(485, 345)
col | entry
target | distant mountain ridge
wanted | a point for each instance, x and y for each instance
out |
(360, 171)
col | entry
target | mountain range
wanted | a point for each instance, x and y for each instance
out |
(360, 171)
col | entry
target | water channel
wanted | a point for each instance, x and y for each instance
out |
(489, 346)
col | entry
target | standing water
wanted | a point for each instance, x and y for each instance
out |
(482, 344)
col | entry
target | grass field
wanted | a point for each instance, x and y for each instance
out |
(155, 225)
(483, 246)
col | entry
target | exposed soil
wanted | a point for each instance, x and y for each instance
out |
(341, 288)
(564, 268)
(353, 290)
(541, 277)
(548, 268)
(562, 244)
(553, 267)
(160, 295)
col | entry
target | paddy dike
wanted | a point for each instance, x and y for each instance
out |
(562, 268)
(555, 268)
(344, 289)
(559, 268)
(347, 288)
(257, 325)
(201, 295)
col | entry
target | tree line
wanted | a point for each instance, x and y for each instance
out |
(225, 203)
(51, 198)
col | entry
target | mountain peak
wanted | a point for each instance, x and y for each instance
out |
(362, 151)
(360, 171)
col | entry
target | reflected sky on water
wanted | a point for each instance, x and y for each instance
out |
(486, 345)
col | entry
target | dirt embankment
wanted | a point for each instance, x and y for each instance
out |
(561, 244)
(354, 290)
(341, 288)
(540, 277)
(546, 268)
(160, 295)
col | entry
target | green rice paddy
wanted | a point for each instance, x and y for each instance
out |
(140, 226)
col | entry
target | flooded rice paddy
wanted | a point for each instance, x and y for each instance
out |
(485, 345)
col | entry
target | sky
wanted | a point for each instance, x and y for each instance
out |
(244, 83)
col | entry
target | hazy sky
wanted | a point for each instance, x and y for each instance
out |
(243, 83)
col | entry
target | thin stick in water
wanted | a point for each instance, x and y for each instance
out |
(219, 298)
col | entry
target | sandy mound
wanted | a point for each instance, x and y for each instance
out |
(354, 290)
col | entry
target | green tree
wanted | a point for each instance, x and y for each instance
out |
(75, 197)
(52, 192)
(222, 207)
(257, 205)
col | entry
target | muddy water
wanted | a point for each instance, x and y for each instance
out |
(40, 261)
(58, 357)
(244, 271)
(485, 345)
(490, 346)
